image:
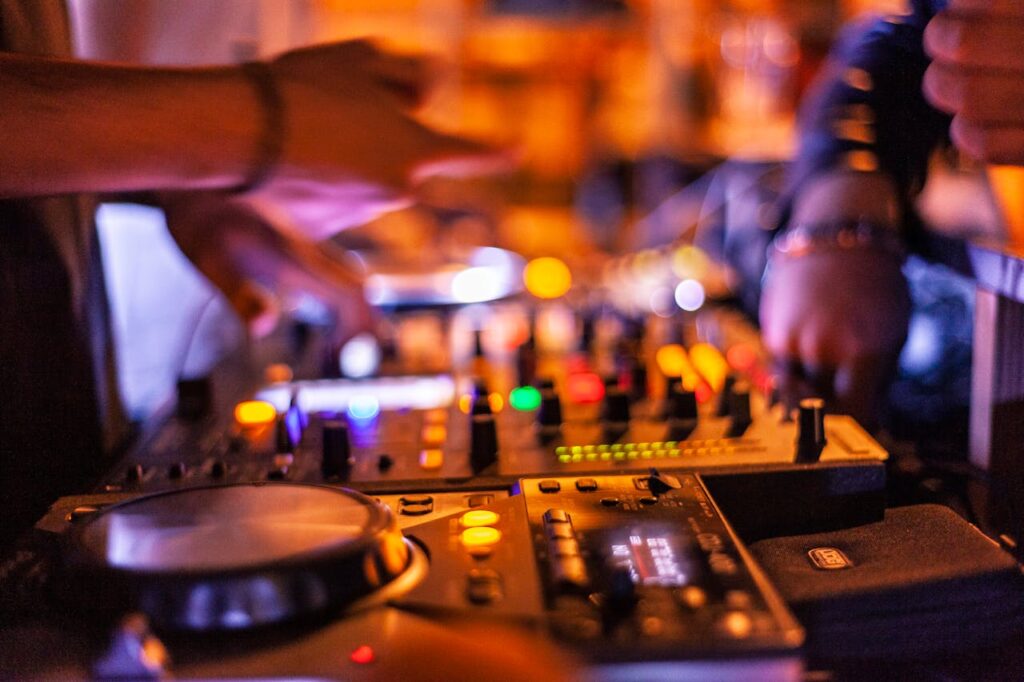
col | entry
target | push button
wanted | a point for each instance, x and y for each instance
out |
(586, 485)
(481, 500)
(549, 486)
(480, 537)
(483, 586)
(478, 517)
(560, 530)
(415, 505)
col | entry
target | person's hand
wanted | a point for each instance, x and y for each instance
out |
(834, 322)
(978, 76)
(351, 149)
(255, 265)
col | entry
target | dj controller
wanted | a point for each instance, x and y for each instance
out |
(296, 516)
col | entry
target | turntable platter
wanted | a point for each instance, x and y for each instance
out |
(239, 556)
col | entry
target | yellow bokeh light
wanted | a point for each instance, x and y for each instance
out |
(710, 363)
(547, 277)
(496, 402)
(689, 262)
(672, 360)
(255, 413)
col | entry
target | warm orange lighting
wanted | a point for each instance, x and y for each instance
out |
(434, 434)
(710, 364)
(497, 402)
(481, 536)
(278, 373)
(251, 413)
(585, 387)
(672, 360)
(547, 277)
(478, 518)
(465, 403)
(741, 357)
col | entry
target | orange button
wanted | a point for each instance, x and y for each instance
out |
(478, 517)
(434, 435)
(252, 413)
(480, 537)
(431, 459)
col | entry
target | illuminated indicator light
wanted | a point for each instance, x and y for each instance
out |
(496, 402)
(564, 459)
(577, 449)
(360, 357)
(482, 536)
(620, 455)
(577, 458)
(591, 456)
(465, 403)
(434, 434)
(588, 449)
(738, 624)
(690, 295)
(617, 447)
(646, 454)
(561, 450)
(632, 454)
(585, 387)
(672, 360)
(431, 459)
(671, 444)
(741, 357)
(630, 446)
(657, 445)
(689, 262)
(524, 398)
(278, 373)
(710, 364)
(605, 456)
(362, 655)
(363, 408)
(603, 447)
(547, 277)
(674, 452)
(478, 517)
(255, 413)
(644, 446)
(660, 453)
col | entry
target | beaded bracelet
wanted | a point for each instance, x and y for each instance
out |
(270, 145)
(804, 239)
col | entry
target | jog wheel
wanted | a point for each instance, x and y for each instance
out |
(241, 556)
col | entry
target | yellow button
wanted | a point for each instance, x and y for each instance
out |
(431, 459)
(434, 434)
(483, 536)
(255, 413)
(479, 517)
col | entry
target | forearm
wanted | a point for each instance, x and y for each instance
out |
(70, 126)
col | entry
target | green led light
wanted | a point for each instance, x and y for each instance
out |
(564, 459)
(617, 447)
(577, 449)
(632, 454)
(603, 447)
(620, 455)
(606, 456)
(630, 446)
(646, 454)
(674, 452)
(591, 456)
(524, 398)
(561, 450)
(577, 458)
(657, 446)
(671, 444)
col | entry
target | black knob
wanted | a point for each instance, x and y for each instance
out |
(195, 398)
(723, 397)
(481, 405)
(218, 468)
(810, 424)
(682, 404)
(337, 451)
(660, 483)
(177, 470)
(615, 408)
(550, 412)
(526, 362)
(739, 407)
(483, 442)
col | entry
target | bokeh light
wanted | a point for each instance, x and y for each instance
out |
(547, 277)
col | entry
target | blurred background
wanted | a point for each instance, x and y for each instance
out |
(652, 134)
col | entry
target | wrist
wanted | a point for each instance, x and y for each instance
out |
(838, 236)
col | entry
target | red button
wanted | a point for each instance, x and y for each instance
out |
(362, 655)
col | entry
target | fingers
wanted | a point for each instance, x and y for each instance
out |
(978, 76)
(453, 156)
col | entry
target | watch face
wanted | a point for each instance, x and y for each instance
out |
(228, 528)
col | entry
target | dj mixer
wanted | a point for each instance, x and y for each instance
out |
(474, 466)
